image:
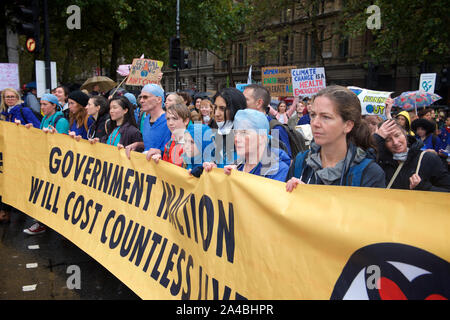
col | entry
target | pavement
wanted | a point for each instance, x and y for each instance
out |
(50, 267)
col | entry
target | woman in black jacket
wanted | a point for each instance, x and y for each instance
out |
(98, 108)
(420, 170)
(122, 129)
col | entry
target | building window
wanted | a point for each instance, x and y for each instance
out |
(313, 46)
(343, 48)
(241, 54)
(305, 47)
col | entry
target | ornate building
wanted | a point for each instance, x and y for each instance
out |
(346, 60)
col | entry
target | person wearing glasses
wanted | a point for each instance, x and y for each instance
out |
(13, 109)
(155, 132)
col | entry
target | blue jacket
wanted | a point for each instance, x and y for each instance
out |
(274, 165)
(82, 131)
(433, 142)
(22, 113)
(360, 170)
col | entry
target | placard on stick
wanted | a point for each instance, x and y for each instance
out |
(278, 80)
(144, 71)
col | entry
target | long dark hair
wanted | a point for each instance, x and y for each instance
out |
(348, 107)
(127, 118)
(234, 99)
(103, 103)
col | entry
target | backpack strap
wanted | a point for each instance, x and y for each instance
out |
(354, 176)
(298, 163)
(395, 175)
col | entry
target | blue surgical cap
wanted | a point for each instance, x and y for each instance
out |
(50, 98)
(251, 119)
(155, 90)
(131, 98)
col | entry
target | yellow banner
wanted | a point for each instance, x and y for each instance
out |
(168, 235)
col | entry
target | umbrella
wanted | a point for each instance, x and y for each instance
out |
(415, 99)
(104, 83)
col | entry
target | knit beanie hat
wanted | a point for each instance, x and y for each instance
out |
(79, 97)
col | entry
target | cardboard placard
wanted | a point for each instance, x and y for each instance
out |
(278, 80)
(144, 71)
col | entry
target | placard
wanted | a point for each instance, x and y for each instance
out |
(372, 102)
(9, 76)
(307, 82)
(144, 71)
(278, 80)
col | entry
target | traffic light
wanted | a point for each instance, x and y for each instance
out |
(26, 18)
(185, 62)
(174, 53)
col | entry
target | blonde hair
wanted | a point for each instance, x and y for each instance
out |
(208, 102)
(3, 106)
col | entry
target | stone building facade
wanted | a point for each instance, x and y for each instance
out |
(346, 61)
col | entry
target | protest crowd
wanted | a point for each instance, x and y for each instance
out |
(243, 131)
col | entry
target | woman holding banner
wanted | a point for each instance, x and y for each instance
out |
(79, 119)
(227, 102)
(98, 109)
(14, 110)
(177, 116)
(122, 127)
(338, 153)
(251, 139)
(53, 121)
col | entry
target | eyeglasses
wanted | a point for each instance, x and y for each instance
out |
(144, 97)
(10, 97)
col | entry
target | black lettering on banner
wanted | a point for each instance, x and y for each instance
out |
(137, 189)
(70, 197)
(78, 202)
(169, 266)
(78, 166)
(66, 170)
(206, 204)
(140, 245)
(124, 250)
(127, 184)
(95, 173)
(155, 273)
(98, 208)
(114, 243)
(176, 286)
(84, 224)
(156, 238)
(163, 200)
(110, 216)
(36, 186)
(151, 180)
(57, 162)
(116, 183)
(226, 231)
(185, 295)
(45, 194)
(87, 171)
(106, 174)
